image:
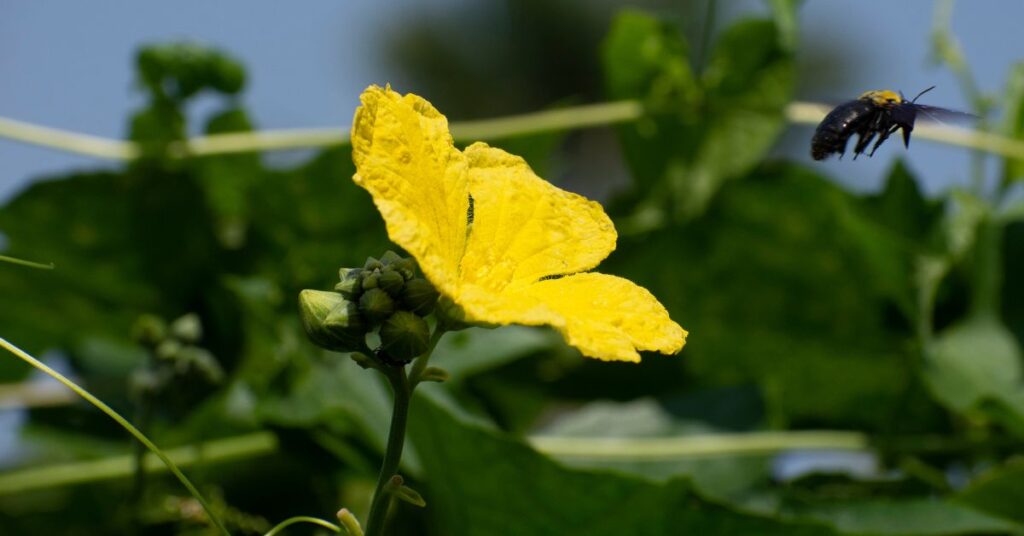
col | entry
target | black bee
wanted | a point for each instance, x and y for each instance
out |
(878, 112)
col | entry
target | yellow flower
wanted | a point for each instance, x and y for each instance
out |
(503, 244)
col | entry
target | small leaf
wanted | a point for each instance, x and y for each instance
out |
(973, 362)
(409, 495)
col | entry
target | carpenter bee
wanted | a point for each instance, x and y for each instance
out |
(875, 113)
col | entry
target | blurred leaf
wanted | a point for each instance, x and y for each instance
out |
(999, 491)
(716, 476)
(772, 285)
(902, 208)
(1013, 283)
(178, 71)
(481, 482)
(312, 220)
(962, 226)
(227, 178)
(975, 361)
(893, 229)
(785, 14)
(703, 129)
(464, 353)
(916, 517)
(120, 248)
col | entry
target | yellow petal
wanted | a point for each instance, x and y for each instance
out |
(604, 316)
(524, 228)
(405, 158)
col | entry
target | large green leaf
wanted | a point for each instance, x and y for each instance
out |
(482, 482)
(718, 476)
(123, 245)
(999, 491)
(776, 292)
(703, 128)
(918, 517)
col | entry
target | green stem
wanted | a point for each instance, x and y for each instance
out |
(420, 364)
(30, 264)
(393, 453)
(60, 475)
(576, 117)
(302, 519)
(99, 404)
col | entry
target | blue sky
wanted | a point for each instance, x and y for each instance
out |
(69, 65)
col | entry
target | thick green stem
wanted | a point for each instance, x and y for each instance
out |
(393, 453)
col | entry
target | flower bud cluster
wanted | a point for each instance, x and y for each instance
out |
(386, 295)
(175, 352)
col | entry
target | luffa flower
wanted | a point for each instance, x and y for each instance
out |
(496, 240)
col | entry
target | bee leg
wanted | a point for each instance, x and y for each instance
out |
(862, 142)
(906, 135)
(882, 137)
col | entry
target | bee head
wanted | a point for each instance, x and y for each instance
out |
(882, 97)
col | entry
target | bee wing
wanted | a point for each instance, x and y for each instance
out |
(942, 115)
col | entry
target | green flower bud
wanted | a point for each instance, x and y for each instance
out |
(149, 330)
(376, 305)
(331, 321)
(349, 521)
(345, 316)
(168, 349)
(371, 279)
(406, 267)
(349, 273)
(404, 336)
(201, 361)
(389, 257)
(350, 287)
(187, 328)
(391, 282)
(372, 264)
(419, 296)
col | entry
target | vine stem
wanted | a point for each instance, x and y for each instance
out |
(302, 519)
(576, 117)
(402, 385)
(393, 453)
(99, 404)
(30, 264)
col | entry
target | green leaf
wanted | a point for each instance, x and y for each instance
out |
(893, 229)
(227, 179)
(482, 482)
(470, 351)
(703, 129)
(784, 12)
(999, 491)
(778, 293)
(974, 362)
(118, 240)
(178, 71)
(918, 517)
(717, 476)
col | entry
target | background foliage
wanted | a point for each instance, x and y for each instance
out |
(810, 307)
